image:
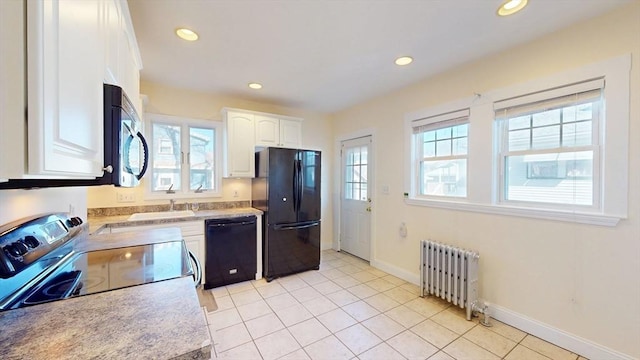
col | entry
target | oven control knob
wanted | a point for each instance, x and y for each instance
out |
(17, 249)
(31, 241)
(22, 248)
(12, 250)
(77, 220)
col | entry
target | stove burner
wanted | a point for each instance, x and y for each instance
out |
(57, 290)
(60, 287)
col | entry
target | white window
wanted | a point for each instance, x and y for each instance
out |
(440, 144)
(549, 147)
(185, 158)
(165, 146)
(554, 148)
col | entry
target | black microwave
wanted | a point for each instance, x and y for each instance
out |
(126, 154)
(125, 149)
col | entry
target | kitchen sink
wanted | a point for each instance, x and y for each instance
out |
(161, 215)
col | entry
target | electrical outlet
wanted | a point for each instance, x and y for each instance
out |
(235, 193)
(124, 197)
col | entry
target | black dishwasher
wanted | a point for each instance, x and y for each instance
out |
(230, 247)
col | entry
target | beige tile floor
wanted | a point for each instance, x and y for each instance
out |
(350, 310)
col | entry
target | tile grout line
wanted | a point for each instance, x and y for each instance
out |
(379, 275)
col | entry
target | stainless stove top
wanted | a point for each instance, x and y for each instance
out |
(50, 270)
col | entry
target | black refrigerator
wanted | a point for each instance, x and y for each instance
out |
(287, 189)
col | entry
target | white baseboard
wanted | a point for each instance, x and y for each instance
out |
(556, 336)
(534, 327)
(396, 271)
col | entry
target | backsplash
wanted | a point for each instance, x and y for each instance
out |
(128, 210)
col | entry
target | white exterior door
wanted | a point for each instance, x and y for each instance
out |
(355, 211)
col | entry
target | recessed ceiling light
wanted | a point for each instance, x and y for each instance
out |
(404, 60)
(511, 7)
(186, 34)
(255, 86)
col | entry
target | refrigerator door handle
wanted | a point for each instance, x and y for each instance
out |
(299, 185)
(295, 186)
(295, 226)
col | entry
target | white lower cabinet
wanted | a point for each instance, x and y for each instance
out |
(192, 234)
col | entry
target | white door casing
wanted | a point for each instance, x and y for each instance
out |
(355, 197)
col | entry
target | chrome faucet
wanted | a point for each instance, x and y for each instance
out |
(171, 204)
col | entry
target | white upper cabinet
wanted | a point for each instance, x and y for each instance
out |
(64, 88)
(112, 29)
(267, 131)
(12, 89)
(122, 56)
(62, 53)
(245, 130)
(290, 133)
(238, 143)
(278, 132)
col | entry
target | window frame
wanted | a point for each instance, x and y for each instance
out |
(502, 142)
(185, 125)
(483, 191)
(435, 123)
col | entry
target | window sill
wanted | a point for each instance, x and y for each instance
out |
(556, 215)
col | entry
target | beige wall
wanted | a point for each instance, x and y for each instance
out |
(581, 279)
(16, 204)
(161, 99)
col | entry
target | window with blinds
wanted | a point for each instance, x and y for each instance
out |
(441, 148)
(549, 146)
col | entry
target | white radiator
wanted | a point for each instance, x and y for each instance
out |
(451, 273)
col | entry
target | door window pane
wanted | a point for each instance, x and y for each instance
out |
(356, 173)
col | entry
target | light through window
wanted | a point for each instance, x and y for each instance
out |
(356, 173)
(441, 145)
(167, 162)
(549, 148)
(185, 155)
(201, 158)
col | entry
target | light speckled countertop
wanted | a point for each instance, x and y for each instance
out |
(97, 223)
(161, 320)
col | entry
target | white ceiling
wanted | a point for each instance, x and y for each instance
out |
(327, 55)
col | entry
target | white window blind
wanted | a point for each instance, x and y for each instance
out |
(440, 121)
(549, 99)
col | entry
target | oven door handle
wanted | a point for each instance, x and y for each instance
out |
(197, 272)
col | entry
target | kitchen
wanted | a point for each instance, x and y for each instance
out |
(567, 298)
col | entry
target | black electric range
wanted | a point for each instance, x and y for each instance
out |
(38, 263)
